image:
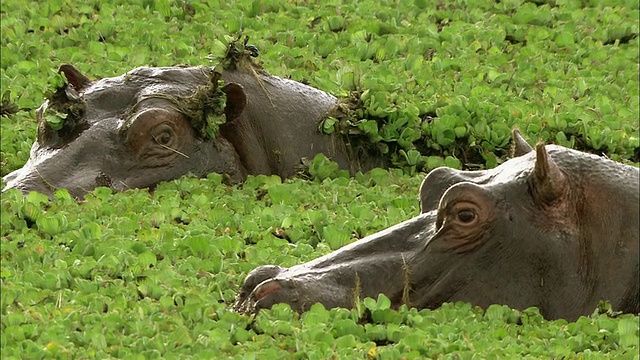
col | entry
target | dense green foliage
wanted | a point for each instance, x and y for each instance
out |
(97, 279)
(152, 275)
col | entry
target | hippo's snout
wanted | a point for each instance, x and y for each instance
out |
(267, 294)
(250, 294)
(26, 181)
(266, 288)
(299, 287)
(300, 292)
(9, 178)
(379, 263)
(257, 276)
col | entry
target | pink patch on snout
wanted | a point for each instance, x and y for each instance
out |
(266, 289)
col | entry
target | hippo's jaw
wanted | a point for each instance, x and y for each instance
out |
(380, 263)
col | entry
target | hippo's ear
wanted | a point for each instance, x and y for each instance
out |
(74, 77)
(549, 183)
(520, 146)
(236, 100)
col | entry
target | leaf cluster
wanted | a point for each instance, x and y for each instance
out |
(153, 275)
(7, 107)
(63, 113)
(115, 282)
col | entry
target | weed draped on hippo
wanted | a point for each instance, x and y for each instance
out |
(148, 125)
(552, 228)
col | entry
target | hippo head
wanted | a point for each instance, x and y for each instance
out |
(552, 228)
(131, 131)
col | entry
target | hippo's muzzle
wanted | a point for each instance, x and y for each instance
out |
(26, 180)
(249, 294)
(300, 290)
(380, 263)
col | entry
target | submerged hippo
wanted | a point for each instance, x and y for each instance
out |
(552, 228)
(135, 130)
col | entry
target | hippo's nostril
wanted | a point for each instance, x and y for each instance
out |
(258, 285)
(265, 289)
(103, 180)
(258, 276)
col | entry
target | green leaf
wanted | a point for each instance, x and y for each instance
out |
(420, 4)
(452, 162)
(51, 225)
(279, 194)
(434, 162)
(346, 342)
(147, 259)
(336, 236)
(181, 336)
(26, 67)
(62, 194)
(370, 304)
(412, 157)
(460, 131)
(322, 168)
(565, 38)
(91, 231)
(446, 137)
(199, 245)
(497, 313)
(370, 128)
(37, 198)
(383, 302)
(336, 23)
(493, 74)
(55, 121)
(328, 125)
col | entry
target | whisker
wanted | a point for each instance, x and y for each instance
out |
(169, 148)
(48, 184)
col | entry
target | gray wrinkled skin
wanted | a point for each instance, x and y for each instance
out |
(553, 228)
(130, 138)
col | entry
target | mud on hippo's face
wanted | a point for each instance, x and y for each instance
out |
(552, 228)
(130, 131)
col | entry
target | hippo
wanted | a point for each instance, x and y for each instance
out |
(552, 228)
(144, 127)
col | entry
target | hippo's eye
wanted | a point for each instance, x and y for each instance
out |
(163, 134)
(164, 138)
(466, 216)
